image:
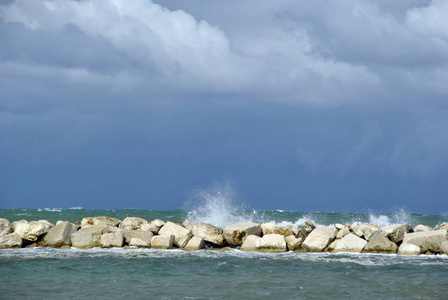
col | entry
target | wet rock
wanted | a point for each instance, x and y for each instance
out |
(5, 227)
(378, 243)
(303, 231)
(145, 236)
(132, 223)
(112, 239)
(249, 243)
(271, 243)
(181, 234)
(12, 240)
(350, 243)
(319, 239)
(235, 233)
(195, 243)
(88, 237)
(209, 233)
(162, 241)
(285, 231)
(59, 235)
(427, 240)
(267, 228)
(420, 228)
(293, 243)
(409, 249)
(396, 232)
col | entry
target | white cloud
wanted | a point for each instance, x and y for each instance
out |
(430, 20)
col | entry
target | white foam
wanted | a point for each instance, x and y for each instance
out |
(400, 217)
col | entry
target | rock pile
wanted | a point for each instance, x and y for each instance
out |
(106, 232)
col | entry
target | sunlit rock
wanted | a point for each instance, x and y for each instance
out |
(378, 243)
(209, 233)
(249, 243)
(271, 243)
(293, 243)
(181, 234)
(140, 243)
(162, 241)
(5, 227)
(343, 232)
(195, 243)
(128, 235)
(396, 232)
(420, 228)
(132, 223)
(112, 239)
(88, 237)
(235, 233)
(12, 240)
(267, 228)
(59, 235)
(408, 249)
(350, 243)
(319, 239)
(427, 240)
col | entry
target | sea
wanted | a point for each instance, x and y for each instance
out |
(117, 273)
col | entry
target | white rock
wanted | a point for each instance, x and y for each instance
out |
(271, 243)
(162, 241)
(356, 229)
(319, 239)
(150, 227)
(343, 232)
(427, 240)
(12, 240)
(145, 236)
(157, 222)
(442, 226)
(181, 234)
(409, 249)
(396, 232)
(267, 228)
(112, 239)
(444, 247)
(420, 228)
(5, 227)
(88, 237)
(132, 223)
(293, 243)
(195, 243)
(350, 243)
(338, 226)
(36, 229)
(59, 235)
(20, 227)
(106, 221)
(249, 243)
(234, 234)
(378, 243)
(139, 243)
(209, 233)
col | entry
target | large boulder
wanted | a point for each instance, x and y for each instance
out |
(12, 240)
(427, 240)
(234, 234)
(112, 239)
(408, 249)
(88, 237)
(285, 231)
(378, 243)
(195, 243)
(350, 243)
(267, 228)
(420, 228)
(101, 220)
(363, 230)
(132, 223)
(293, 243)
(162, 241)
(140, 243)
(271, 243)
(209, 233)
(5, 227)
(31, 230)
(304, 230)
(343, 232)
(319, 239)
(145, 236)
(396, 232)
(59, 235)
(442, 226)
(20, 227)
(181, 234)
(249, 243)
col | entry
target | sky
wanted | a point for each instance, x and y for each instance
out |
(332, 106)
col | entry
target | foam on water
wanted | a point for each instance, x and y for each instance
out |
(400, 217)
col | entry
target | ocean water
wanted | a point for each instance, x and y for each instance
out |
(43, 273)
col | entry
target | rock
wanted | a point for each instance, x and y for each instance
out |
(350, 243)
(378, 243)
(295, 230)
(157, 222)
(86, 222)
(20, 227)
(319, 239)
(271, 243)
(285, 231)
(36, 229)
(187, 224)
(420, 228)
(356, 229)
(195, 243)
(132, 223)
(234, 234)
(442, 226)
(88, 237)
(303, 231)
(368, 230)
(106, 221)
(332, 245)
(310, 224)
(249, 243)
(427, 240)
(339, 226)
(209, 233)
(408, 249)
(343, 232)
(396, 232)
(112, 239)
(267, 228)
(5, 227)
(59, 235)
(140, 243)
(12, 240)
(293, 243)
(150, 227)
(145, 236)
(181, 234)
(162, 241)
(444, 247)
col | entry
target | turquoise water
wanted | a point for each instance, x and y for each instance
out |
(42, 273)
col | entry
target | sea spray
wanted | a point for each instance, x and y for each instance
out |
(400, 217)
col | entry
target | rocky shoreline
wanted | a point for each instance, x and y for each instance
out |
(135, 232)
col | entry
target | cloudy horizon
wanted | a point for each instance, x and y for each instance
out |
(322, 106)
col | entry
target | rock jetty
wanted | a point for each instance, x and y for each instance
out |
(134, 232)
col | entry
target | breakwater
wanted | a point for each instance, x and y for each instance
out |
(136, 232)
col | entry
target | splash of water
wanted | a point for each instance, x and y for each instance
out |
(400, 217)
(216, 206)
